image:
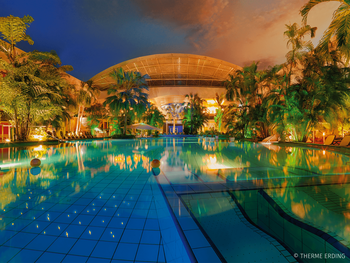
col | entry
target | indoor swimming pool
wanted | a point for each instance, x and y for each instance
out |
(101, 201)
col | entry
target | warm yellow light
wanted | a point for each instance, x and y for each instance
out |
(8, 140)
(212, 109)
(324, 134)
(211, 101)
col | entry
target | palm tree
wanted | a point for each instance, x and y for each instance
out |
(86, 95)
(299, 47)
(194, 101)
(153, 117)
(13, 30)
(129, 93)
(339, 29)
(219, 100)
(174, 111)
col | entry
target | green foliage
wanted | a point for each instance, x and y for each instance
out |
(337, 35)
(13, 30)
(153, 117)
(195, 115)
(128, 93)
(33, 92)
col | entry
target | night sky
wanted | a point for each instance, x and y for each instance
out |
(92, 35)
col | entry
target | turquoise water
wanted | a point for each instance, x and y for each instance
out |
(101, 201)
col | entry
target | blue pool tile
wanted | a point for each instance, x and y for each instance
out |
(152, 214)
(32, 215)
(36, 227)
(206, 255)
(99, 260)
(152, 224)
(6, 253)
(41, 242)
(6, 235)
(139, 213)
(48, 216)
(13, 213)
(117, 222)
(101, 221)
(112, 234)
(83, 220)
(104, 249)
(62, 245)
(196, 239)
(59, 208)
(150, 237)
(112, 203)
(187, 223)
(107, 211)
(142, 205)
(131, 236)
(73, 231)
(125, 251)
(65, 218)
(83, 201)
(147, 253)
(75, 209)
(93, 233)
(83, 247)
(136, 223)
(123, 212)
(90, 210)
(161, 256)
(17, 224)
(55, 229)
(98, 202)
(50, 257)
(26, 255)
(74, 259)
(20, 240)
(127, 204)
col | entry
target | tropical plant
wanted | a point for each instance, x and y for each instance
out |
(195, 114)
(338, 32)
(153, 117)
(299, 47)
(219, 100)
(13, 30)
(318, 93)
(33, 91)
(85, 96)
(128, 93)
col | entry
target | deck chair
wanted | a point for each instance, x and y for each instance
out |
(329, 140)
(345, 141)
(271, 139)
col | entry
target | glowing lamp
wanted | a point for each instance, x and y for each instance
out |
(7, 140)
(35, 162)
(155, 163)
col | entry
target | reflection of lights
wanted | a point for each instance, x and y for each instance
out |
(214, 166)
(39, 148)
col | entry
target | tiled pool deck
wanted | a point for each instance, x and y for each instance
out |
(130, 216)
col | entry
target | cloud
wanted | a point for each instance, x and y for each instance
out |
(202, 21)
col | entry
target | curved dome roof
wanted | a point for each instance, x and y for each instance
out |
(173, 70)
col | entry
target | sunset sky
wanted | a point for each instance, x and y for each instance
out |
(92, 35)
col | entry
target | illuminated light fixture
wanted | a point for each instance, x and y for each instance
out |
(7, 140)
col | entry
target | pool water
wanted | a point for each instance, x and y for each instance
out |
(96, 201)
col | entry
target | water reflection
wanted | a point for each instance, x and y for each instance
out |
(183, 160)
